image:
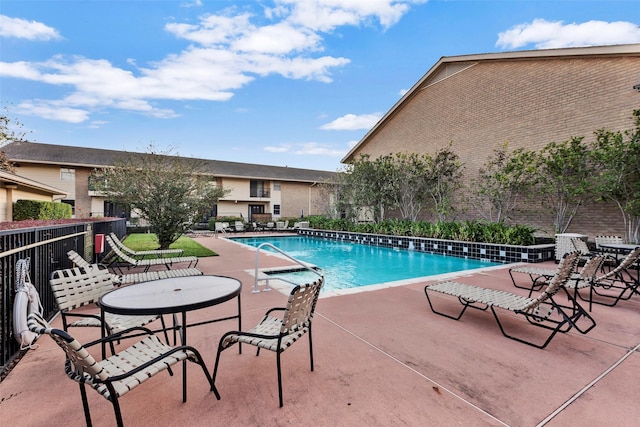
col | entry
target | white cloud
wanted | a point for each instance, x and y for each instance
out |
(97, 124)
(353, 122)
(548, 35)
(279, 149)
(306, 148)
(314, 148)
(326, 15)
(227, 51)
(23, 29)
(52, 111)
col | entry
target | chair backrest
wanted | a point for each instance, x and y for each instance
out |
(591, 268)
(566, 267)
(631, 258)
(580, 246)
(80, 365)
(301, 306)
(118, 251)
(77, 287)
(607, 239)
(121, 245)
(77, 259)
(219, 226)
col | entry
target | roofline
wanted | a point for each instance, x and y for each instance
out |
(568, 52)
(216, 175)
(8, 177)
(211, 162)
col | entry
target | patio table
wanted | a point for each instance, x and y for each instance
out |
(174, 296)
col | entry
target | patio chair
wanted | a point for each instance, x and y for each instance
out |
(238, 226)
(219, 228)
(278, 333)
(78, 287)
(545, 311)
(117, 375)
(617, 284)
(607, 239)
(127, 279)
(539, 276)
(141, 254)
(146, 263)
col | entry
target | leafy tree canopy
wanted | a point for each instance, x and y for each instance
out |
(171, 192)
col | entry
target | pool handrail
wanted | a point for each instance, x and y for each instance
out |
(267, 288)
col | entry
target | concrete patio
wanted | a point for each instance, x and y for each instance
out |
(382, 358)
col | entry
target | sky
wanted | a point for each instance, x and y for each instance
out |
(293, 83)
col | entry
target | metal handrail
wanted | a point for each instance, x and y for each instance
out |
(267, 288)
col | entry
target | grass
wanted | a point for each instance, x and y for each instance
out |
(148, 241)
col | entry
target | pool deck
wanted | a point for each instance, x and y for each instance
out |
(382, 358)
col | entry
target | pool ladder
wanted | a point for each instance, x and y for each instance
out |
(266, 280)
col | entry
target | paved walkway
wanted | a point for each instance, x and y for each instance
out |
(382, 358)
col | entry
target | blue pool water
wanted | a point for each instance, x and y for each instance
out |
(348, 265)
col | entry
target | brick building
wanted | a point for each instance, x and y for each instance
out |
(525, 98)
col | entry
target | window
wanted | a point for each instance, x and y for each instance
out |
(276, 186)
(276, 209)
(67, 174)
(258, 188)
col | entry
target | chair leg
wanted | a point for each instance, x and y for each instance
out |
(116, 409)
(310, 348)
(85, 404)
(465, 305)
(279, 377)
(215, 367)
(213, 388)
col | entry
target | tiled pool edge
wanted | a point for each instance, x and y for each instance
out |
(480, 251)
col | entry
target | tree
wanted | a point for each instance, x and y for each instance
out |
(442, 177)
(616, 156)
(503, 180)
(370, 186)
(171, 192)
(566, 177)
(409, 193)
(10, 131)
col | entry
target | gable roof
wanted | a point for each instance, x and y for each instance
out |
(450, 65)
(32, 152)
(29, 185)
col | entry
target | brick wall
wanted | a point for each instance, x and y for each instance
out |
(527, 103)
(297, 197)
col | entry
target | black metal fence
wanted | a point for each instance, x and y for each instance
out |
(46, 248)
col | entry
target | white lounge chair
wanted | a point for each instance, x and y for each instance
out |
(146, 263)
(545, 311)
(141, 254)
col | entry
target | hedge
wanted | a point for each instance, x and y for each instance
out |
(36, 209)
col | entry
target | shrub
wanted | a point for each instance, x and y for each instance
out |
(36, 209)
(470, 231)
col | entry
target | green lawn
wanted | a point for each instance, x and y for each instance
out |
(147, 241)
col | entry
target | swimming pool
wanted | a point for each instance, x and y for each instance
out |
(353, 265)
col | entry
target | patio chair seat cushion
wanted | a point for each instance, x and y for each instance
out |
(268, 326)
(492, 298)
(116, 322)
(134, 356)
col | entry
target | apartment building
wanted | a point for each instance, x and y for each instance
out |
(280, 191)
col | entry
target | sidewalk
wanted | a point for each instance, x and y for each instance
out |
(382, 358)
